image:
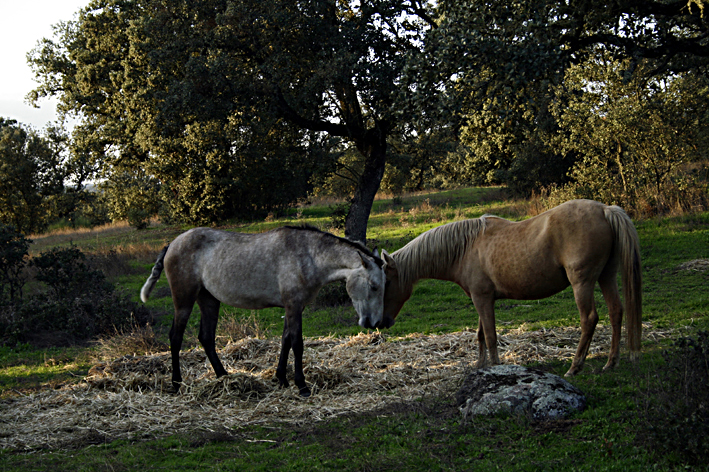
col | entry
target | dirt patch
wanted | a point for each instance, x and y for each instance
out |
(696, 265)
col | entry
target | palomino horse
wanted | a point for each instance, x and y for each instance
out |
(578, 243)
(285, 267)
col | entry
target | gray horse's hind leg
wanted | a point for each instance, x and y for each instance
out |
(292, 339)
(177, 332)
(209, 308)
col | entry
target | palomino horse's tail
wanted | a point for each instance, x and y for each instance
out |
(628, 246)
(154, 276)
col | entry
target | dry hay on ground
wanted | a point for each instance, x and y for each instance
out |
(128, 398)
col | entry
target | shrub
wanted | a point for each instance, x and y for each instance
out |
(338, 215)
(676, 411)
(138, 218)
(66, 273)
(75, 303)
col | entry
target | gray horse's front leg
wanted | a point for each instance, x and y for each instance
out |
(283, 359)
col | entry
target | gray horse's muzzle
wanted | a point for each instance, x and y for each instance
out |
(366, 322)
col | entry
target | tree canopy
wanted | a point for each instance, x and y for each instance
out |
(232, 101)
(32, 175)
(208, 109)
(502, 66)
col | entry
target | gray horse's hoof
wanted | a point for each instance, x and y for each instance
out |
(305, 392)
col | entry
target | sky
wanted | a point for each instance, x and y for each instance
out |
(22, 24)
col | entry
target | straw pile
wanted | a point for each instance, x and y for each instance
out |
(128, 397)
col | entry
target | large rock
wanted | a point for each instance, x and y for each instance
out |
(518, 390)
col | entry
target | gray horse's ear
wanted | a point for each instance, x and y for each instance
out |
(376, 253)
(365, 262)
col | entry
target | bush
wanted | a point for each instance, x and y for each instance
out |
(676, 411)
(138, 218)
(338, 215)
(74, 304)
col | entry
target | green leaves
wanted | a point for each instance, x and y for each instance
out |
(31, 173)
(199, 94)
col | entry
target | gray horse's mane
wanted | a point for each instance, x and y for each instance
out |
(436, 250)
(357, 245)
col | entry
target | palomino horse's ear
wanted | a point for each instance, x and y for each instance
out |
(390, 263)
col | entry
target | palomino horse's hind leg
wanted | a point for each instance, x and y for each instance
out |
(487, 338)
(209, 308)
(609, 287)
(583, 293)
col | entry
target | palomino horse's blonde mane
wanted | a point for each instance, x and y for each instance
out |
(434, 251)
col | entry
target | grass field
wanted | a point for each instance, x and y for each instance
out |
(422, 433)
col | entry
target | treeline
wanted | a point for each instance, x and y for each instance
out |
(206, 110)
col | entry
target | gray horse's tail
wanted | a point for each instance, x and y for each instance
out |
(154, 276)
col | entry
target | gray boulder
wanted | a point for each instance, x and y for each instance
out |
(518, 390)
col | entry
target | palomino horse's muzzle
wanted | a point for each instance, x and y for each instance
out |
(387, 322)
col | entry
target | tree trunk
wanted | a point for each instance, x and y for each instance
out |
(373, 146)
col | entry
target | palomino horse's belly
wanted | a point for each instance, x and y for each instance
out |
(528, 283)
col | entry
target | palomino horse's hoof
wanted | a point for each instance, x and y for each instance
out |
(572, 372)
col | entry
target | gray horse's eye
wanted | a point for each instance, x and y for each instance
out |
(373, 287)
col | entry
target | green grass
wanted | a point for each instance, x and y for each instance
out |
(427, 434)
(24, 369)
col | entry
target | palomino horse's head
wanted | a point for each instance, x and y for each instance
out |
(395, 295)
(365, 286)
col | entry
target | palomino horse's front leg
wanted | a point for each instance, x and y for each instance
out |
(292, 339)
(487, 337)
(583, 293)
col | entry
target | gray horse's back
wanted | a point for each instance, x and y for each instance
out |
(243, 270)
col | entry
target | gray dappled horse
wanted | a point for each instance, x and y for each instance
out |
(285, 267)
(578, 243)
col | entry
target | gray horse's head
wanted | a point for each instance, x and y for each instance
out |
(365, 286)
